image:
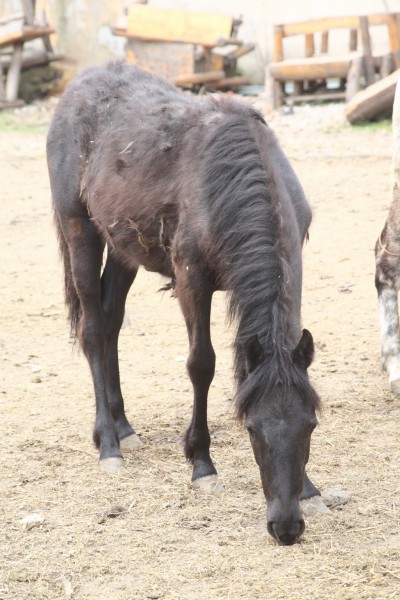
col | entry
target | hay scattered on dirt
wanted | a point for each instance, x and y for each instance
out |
(170, 541)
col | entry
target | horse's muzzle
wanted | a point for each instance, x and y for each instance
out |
(286, 532)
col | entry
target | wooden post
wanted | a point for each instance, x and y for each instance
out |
(353, 40)
(278, 43)
(387, 65)
(274, 91)
(14, 74)
(29, 12)
(367, 51)
(324, 42)
(354, 77)
(310, 47)
(394, 37)
(2, 97)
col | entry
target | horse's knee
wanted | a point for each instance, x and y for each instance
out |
(91, 334)
(201, 366)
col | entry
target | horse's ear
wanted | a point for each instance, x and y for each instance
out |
(254, 353)
(304, 352)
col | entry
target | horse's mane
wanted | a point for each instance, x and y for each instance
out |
(247, 242)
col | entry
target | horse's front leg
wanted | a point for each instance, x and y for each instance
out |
(387, 281)
(195, 294)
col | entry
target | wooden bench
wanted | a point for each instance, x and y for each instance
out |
(190, 48)
(309, 75)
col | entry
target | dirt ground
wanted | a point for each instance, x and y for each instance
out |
(170, 541)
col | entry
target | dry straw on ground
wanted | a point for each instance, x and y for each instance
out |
(168, 541)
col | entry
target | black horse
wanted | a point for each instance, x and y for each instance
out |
(196, 189)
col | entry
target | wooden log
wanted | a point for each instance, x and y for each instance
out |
(198, 78)
(374, 101)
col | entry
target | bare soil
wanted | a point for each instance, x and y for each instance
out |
(169, 541)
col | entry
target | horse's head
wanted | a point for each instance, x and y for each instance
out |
(280, 425)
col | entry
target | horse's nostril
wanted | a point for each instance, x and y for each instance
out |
(288, 539)
(284, 534)
(302, 527)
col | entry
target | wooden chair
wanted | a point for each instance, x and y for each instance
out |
(355, 69)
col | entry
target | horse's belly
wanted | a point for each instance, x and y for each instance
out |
(134, 245)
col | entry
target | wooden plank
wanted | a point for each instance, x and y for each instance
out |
(196, 78)
(227, 82)
(169, 24)
(316, 67)
(167, 40)
(327, 23)
(28, 33)
(373, 101)
(319, 25)
(315, 97)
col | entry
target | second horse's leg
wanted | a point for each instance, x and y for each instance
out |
(85, 251)
(387, 281)
(115, 284)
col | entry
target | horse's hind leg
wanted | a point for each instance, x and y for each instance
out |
(85, 249)
(115, 284)
(195, 294)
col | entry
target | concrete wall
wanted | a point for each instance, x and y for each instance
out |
(84, 34)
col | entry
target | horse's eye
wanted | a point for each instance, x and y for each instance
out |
(250, 429)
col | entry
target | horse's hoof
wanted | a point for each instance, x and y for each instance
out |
(209, 484)
(314, 506)
(395, 386)
(114, 464)
(130, 442)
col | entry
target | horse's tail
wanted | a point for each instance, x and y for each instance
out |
(71, 297)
